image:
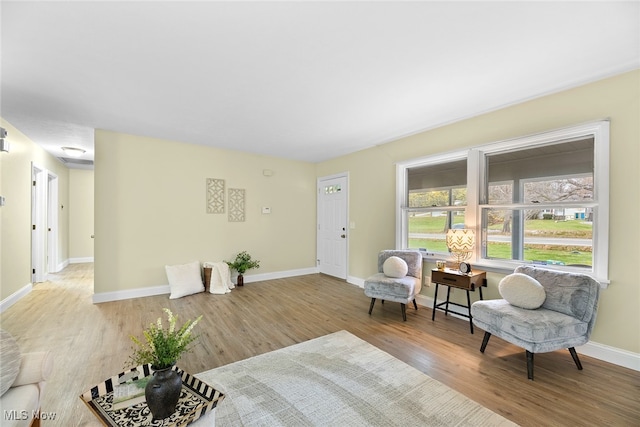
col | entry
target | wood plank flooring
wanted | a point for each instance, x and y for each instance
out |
(91, 342)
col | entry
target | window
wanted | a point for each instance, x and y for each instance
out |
(540, 199)
(435, 201)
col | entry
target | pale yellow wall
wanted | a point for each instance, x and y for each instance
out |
(150, 210)
(15, 186)
(372, 186)
(80, 214)
(150, 200)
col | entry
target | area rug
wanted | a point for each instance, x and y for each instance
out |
(336, 380)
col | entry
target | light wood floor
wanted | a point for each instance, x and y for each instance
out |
(91, 343)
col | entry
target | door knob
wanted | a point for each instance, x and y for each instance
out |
(344, 236)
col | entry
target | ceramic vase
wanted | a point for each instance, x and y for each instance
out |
(162, 392)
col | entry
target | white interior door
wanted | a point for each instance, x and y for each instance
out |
(38, 224)
(332, 226)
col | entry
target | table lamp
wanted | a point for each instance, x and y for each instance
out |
(461, 243)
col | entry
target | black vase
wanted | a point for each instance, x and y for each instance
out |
(162, 392)
(240, 281)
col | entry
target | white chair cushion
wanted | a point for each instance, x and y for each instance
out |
(9, 359)
(25, 400)
(184, 279)
(522, 291)
(395, 267)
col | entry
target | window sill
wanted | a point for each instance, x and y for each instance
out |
(508, 267)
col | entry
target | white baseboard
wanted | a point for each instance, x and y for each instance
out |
(279, 274)
(355, 281)
(62, 266)
(130, 293)
(164, 289)
(80, 260)
(611, 354)
(15, 297)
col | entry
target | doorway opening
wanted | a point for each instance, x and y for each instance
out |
(44, 223)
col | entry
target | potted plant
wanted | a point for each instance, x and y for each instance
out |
(161, 348)
(242, 263)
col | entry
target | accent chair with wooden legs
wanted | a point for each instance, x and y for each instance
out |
(564, 320)
(399, 279)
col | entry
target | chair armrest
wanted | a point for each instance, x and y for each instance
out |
(35, 367)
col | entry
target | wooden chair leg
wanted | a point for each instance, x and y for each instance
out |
(529, 365)
(35, 422)
(373, 301)
(404, 311)
(572, 350)
(485, 341)
(415, 305)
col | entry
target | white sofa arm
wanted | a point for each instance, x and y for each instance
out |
(35, 368)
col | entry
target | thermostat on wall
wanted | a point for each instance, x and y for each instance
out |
(266, 210)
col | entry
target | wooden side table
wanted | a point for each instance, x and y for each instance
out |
(456, 279)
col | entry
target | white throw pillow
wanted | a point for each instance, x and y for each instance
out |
(9, 359)
(184, 279)
(522, 291)
(395, 267)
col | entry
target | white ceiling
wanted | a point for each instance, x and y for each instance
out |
(299, 80)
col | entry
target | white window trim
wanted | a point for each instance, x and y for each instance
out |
(475, 193)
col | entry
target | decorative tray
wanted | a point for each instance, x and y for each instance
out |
(197, 398)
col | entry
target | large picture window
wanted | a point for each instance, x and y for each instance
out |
(540, 208)
(540, 199)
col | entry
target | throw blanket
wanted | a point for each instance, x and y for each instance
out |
(220, 278)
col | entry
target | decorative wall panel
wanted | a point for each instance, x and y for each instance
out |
(236, 205)
(215, 196)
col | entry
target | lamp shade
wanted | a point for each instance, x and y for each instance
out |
(461, 240)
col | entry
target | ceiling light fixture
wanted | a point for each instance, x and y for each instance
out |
(73, 152)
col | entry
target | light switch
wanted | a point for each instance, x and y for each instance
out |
(352, 225)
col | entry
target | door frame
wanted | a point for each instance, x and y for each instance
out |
(319, 181)
(44, 223)
(38, 222)
(52, 223)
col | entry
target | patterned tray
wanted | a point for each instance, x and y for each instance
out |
(197, 398)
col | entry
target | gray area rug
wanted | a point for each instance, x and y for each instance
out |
(336, 380)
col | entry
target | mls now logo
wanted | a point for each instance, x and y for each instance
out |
(15, 415)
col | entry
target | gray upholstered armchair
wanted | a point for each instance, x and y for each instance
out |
(398, 289)
(565, 319)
